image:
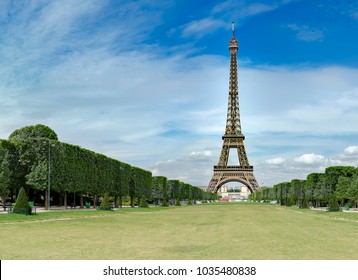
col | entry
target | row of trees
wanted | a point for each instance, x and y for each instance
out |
(164, 189)
(337, 183)
(33, 158)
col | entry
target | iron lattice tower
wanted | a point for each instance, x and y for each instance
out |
(233, 137)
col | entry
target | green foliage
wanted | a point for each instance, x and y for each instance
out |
(105, 205)
(140, 183)
(334, 172)
(333, 204)
(12, 173)
(173, 188)
(5, 176)
(290, 201)
(38, 177)
(22, 205)
(165, 203)
(143, 203)
(342, 187)
(33, 131)
(304, 203)
(352, 192)
(159, 188)
(337, 183)
(189, 202)
(177, 202)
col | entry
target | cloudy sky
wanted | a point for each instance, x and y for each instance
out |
(146, 82)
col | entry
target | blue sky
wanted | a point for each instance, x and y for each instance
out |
(146, 82)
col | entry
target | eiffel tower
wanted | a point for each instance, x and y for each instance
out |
(233, 137)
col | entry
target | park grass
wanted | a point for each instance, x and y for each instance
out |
(207, 231)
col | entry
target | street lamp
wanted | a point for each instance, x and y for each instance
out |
(49, 176)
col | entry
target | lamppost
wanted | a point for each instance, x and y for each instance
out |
(49, 176)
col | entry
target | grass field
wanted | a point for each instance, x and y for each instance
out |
(207, 231)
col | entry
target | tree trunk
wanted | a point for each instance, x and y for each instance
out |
(81, 200)
(120, 201)
(46, 200)
(65, 200)
(60, 200)
(132, 202)
(116, 201)
(95, 201)
(3, 197)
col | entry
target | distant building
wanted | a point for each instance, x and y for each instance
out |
(234, 196)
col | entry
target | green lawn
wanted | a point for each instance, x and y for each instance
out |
(210, 231)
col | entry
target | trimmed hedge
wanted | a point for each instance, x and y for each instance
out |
(143, 203)
(105, 205)
(22, 205)
(333, 204)
(165, 203)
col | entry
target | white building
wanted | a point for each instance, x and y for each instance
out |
(234, 196)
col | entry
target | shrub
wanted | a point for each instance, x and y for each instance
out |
(304, 203)
(105, 205)
(143, 203)
(177, 202)
(189, 202)
(22, 205)
(165, 203)
(333, 204)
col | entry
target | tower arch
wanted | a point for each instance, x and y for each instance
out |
(229, 180)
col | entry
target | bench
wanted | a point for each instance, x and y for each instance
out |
(73, 205)
(8, 207)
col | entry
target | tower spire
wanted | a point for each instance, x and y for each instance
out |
(233, 45)
(233, 126)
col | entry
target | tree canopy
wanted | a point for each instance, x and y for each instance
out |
(33, 131)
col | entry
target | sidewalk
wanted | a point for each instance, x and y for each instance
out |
(54, 208)
(351, 210)
(40, 209)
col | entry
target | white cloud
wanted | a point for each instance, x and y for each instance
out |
(202, 27)
(204, 153)
(310, 159)
(299, 167)
(198, 168)
(354, 15)
(306, 33)
(321, 99)
(255, 9)
(351, 151)
(243, 9)
(276, 161)
(218, 17)
(349, 156)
